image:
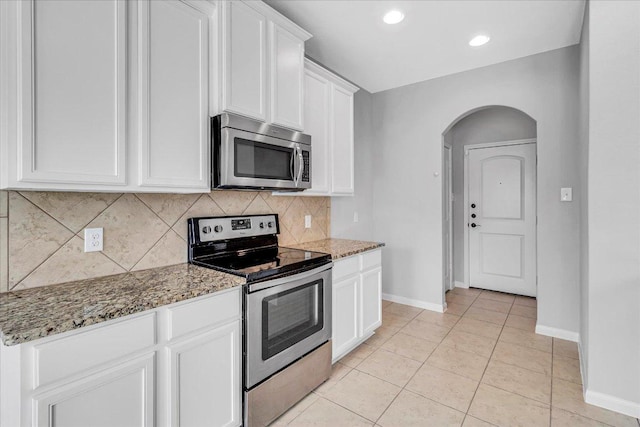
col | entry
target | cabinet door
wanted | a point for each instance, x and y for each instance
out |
(316, 113)
(371, 300)
(344, 315)
(120, 396)
(342, 153)
(173, 110)
(287, 74)
(72, 92)
(244, 72)
(205, 379)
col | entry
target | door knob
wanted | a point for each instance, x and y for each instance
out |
(473, 205)
(474, 225)
(473, 215)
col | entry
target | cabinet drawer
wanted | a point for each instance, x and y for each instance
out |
(371, 259)
(66, 356)
(346, 267)
(206, 312)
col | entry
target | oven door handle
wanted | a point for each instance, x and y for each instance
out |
(288, 279)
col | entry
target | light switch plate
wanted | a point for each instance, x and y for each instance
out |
(566, 194)
(307, 221)
(93, 239)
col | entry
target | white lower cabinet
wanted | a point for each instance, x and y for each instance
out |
(356, 301)
(120, 396)
(205, 379)
(178, 365)
(345, 315)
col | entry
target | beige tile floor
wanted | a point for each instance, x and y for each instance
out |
(478, 364)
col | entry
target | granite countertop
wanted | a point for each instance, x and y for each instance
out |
(339, 248)
(30, 314)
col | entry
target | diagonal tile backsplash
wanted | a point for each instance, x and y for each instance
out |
(41, 233)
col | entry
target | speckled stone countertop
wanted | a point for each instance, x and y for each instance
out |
(339, 248)
(35, 313)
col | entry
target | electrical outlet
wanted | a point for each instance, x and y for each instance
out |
(355, 217)
(93, 239)
(307, 221)
(566, 194)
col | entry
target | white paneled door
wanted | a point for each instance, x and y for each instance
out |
(501, 217)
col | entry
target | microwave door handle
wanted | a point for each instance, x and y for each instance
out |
(300, 165)
(292, 166)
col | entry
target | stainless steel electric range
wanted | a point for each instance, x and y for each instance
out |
(287, 309)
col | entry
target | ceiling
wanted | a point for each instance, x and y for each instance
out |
(350, 38)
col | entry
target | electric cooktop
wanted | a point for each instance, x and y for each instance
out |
(247, 246)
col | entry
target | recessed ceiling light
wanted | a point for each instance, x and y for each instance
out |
(393, 17)
(479, 40)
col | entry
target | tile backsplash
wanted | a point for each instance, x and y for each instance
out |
(41, 233)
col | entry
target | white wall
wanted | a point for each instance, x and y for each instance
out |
(408, 124)
(489, 125)
(614, 206)
(343, 208)
(583, 148)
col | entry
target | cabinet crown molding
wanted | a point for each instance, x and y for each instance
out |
(332, 77)
(275, 16)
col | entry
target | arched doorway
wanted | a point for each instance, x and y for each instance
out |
(489, 153)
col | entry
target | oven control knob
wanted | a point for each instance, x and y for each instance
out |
(206, 229)
(217, 228)
(270, 224)
(262, 225)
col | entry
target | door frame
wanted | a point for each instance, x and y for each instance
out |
(448, 198)
(466, 149)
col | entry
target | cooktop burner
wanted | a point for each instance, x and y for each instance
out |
(247, 246)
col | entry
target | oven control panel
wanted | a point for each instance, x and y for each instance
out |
(221, 228)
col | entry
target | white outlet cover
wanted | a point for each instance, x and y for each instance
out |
(93, 239)
(307, 221)
(566, 194)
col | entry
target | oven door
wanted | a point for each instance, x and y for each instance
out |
(285, 319)
(250, 160)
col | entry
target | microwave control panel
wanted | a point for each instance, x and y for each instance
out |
(306, 169)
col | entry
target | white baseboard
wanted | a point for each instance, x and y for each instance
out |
(557, 333)
(612, 403)
(414, 302)
(460, 284)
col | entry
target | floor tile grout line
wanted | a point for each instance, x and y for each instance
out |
(403, 388)
(484, 371)
(422, 364)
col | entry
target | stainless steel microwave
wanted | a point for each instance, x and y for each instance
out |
(248, 154)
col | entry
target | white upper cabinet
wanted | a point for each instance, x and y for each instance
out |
(262, 64)
(287, 75)
(105, 95)
(328, 110)
(317, 91)
(173, 106)
(342, 135)
(69, 65)
(244, 56)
